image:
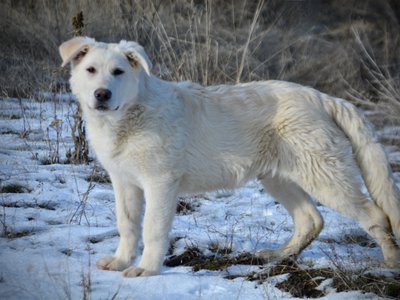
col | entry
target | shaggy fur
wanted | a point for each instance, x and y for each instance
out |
(158, 139)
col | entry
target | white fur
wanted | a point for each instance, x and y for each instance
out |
(159, 139)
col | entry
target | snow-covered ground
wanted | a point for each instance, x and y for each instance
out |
(55, 224)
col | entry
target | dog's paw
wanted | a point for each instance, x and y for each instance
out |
(269, 255)
(275, 256)
(138, 272)
(392, 264)
(110, 263)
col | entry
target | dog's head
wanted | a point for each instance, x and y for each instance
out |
(105, 76)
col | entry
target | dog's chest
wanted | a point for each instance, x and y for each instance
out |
(138, 156)
(103, 141)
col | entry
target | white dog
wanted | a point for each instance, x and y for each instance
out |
(158, 139)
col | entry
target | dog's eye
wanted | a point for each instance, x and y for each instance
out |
(91, 70)
(117, 72)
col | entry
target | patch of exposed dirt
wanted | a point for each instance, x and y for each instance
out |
(14, 189)
(301, 282)
(193, 257)
(43, 205)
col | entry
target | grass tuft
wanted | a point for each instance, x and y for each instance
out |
(14, 188)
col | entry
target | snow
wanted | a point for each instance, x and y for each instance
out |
(54, 231)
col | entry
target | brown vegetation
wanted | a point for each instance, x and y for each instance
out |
(301, 281)
(346, 49)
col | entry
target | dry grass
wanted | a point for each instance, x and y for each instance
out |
(301, 281)
(346, 50)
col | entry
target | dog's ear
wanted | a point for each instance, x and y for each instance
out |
(136, 55)
(75, 49)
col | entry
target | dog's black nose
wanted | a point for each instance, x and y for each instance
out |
(102, 95)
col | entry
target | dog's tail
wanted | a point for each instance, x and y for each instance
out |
(371, 158)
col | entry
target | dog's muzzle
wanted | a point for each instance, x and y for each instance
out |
(103, 96)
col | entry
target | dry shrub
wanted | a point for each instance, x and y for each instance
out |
(346, 49)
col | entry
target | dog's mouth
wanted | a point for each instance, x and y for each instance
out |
(105, 108)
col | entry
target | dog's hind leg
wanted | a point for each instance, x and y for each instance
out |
(334, 184)
(307, 220)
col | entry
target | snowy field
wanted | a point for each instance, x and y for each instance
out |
(57, 219)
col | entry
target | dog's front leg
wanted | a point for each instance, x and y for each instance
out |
(129, 205)
(161, 201)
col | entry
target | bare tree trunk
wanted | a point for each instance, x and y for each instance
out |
(80, 153)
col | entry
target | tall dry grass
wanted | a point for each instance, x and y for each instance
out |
(348, 49)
